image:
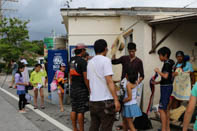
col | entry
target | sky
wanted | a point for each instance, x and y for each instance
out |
(45, 16)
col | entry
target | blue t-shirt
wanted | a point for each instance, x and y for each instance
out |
(188, 67)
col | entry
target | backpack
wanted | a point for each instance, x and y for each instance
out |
(143, 122)
(73, 68)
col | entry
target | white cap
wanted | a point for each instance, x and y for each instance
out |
(24, 61)
(63, 64)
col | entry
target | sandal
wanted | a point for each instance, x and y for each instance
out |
(21, 111)
(62, 109)
(42, 107)
(119, 127)
(35, 107)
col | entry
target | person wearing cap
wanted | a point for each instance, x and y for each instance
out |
(79, 87)
(60, 78)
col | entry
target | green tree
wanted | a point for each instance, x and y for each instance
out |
(13, 32)
(14, 41)
(39, 47)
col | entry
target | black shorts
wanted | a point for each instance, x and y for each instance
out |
(79, 99)
(166, 91)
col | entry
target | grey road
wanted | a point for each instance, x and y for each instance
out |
(11, 120)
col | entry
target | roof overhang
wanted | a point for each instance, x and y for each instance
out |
(147, 9)
(153, 15)
(134, 11)
(191, 17)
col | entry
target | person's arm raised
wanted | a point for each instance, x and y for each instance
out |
(116, 61)
(112, 89)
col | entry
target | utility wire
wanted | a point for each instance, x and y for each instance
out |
(190, 4)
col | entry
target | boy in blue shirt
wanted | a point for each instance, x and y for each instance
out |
(165, 86)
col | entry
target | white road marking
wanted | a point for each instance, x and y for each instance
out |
(50, 119)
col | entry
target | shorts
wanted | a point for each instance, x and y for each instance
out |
(60, 90)
(166, 91)
(130, 111)
(79, 99)
(35, 88)
(100, 120)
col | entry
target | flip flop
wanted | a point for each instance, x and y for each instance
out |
(35, 107)
(119, 127)
(42, 107)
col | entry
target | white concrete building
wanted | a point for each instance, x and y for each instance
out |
(149, 28)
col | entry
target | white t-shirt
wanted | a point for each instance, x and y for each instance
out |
(99, 67)
(25, 74)
(134, 93)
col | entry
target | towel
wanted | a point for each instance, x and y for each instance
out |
(182, 85)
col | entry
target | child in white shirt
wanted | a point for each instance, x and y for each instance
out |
(130, 109)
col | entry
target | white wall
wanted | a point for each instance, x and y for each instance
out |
(89, 29)
(137, 25)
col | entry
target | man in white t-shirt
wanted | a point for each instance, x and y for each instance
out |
(103, 98)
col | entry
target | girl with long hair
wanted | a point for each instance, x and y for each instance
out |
(20, 84)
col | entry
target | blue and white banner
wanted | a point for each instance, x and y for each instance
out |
(55, 58)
